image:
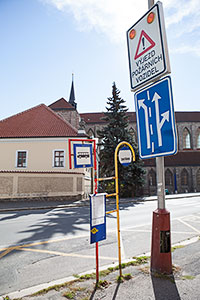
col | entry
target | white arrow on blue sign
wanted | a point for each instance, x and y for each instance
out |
(155, 120)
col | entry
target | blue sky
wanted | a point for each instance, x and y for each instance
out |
(44, 41)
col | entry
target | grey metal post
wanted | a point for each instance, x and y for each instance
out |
(160, 182)
(150, 3)
(159, 164)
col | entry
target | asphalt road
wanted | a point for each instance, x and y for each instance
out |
(39, 246)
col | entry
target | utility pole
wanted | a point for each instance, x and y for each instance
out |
(161, 261)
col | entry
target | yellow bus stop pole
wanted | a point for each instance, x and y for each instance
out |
(117, 199)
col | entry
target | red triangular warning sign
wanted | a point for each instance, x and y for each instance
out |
(145, 44)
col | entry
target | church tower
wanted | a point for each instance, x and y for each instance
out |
(67, 110)
(72, 94)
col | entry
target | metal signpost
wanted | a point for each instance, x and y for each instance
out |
(147, 48)
(148, 62)
(155, 120)
(124, 151)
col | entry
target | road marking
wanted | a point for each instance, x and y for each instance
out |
(65, 254)
(45, 242)
(193, 228)
(7, 251)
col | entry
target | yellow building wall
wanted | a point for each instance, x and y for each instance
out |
(40, 178)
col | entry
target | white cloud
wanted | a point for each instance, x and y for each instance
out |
(110, 17)
(114, 17)
(184, 49)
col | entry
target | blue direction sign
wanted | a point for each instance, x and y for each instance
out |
(155, 120)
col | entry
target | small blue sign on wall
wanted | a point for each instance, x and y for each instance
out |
(97, 217)
(155, 120)
(83, 156)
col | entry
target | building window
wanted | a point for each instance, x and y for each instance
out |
(198, 139)
(198, 177)
(184, 177)
(168, 177)
(132, 132)
(59, 158)
(21, 159)
(91, 133)
(186, 139)
(152, 178)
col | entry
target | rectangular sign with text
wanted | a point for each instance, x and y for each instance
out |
(147, 48)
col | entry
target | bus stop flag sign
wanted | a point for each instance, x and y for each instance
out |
(83, 156)
(147, 48)
(97, 217)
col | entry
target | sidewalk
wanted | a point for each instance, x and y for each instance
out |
(18, 205)
(138, 283)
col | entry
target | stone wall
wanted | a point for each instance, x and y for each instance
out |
(28, 185)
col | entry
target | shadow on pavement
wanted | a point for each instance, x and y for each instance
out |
(116, 291)
(165, 288)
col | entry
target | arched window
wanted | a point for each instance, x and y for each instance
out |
(91, 133)
(198, 138)
(152, 177)
(184, 177)
(186, 139)
(198, 177)
(168, 177)
(132, 132)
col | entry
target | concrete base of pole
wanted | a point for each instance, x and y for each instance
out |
(161, 261)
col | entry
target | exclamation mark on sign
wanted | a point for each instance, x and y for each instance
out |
(143, 43)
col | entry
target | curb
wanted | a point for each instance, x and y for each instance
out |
(152, 198)
(31, 290)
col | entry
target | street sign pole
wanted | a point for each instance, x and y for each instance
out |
(160, 182)
(161, 261)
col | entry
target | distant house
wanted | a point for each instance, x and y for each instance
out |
(34, 160)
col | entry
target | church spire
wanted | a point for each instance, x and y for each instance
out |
(72, 94)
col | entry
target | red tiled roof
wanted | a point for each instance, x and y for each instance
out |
(182, 158)
(92, 118)
(187, 116)
(61, 104)
(39, 121)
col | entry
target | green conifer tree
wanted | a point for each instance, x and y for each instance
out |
(116, 131)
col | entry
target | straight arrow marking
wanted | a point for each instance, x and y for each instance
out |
(141, 104)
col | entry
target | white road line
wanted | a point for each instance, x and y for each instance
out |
(185, 223)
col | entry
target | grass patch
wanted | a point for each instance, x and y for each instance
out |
(69, 295)
(189, 277)
(120, 279)
(103, 284)
(105, 272)
(127, 276)
(141, 260)
(176, 247)
(54, 287)
(88, 276)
